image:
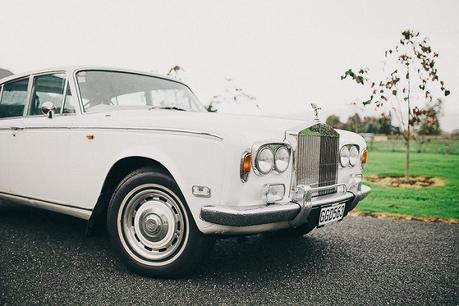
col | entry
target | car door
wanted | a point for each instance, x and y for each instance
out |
(4, 145)
(13, 99)
(41, 146)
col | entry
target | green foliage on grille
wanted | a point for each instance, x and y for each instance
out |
(319, 129)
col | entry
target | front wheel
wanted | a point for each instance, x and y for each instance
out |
(151, 227)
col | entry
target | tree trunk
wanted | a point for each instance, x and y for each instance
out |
(407, 161)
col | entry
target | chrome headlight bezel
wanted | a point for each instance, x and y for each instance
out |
(344, 156)
(276, 149)
(349, 155)
(353, 155)
(282, 159)
(269, 159)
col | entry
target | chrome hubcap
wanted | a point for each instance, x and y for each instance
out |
(152, 223)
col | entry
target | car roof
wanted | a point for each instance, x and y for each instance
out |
(72, 69)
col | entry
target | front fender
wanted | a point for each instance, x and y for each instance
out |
(191, 160)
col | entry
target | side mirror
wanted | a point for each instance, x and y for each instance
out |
(48, 108)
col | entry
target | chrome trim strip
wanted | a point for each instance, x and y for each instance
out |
(36, 199)
(193, 132)
(29, 96)
(64, 94)
(332, 198)
(77, 87)
(79, 212)
(8, 118)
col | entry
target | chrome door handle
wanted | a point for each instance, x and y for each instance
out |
(17, 128)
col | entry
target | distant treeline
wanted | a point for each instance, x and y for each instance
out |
(375, 125)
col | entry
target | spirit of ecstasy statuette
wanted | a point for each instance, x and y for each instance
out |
(316, 112)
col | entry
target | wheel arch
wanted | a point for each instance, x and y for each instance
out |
(118, 171)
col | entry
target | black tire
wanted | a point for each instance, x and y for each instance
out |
(6, 205)
(152, 224)
(292, 232)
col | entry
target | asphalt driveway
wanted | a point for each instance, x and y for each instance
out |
(45, 258)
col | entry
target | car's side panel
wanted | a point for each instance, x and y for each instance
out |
(41, 159)
(201, 163)
(64, 209)
(6, 137)
(61, 163)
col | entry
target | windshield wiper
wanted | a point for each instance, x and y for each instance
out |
(169, 107)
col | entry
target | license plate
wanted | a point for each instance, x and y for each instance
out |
(331, 213)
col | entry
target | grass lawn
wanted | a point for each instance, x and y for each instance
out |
(437, 202)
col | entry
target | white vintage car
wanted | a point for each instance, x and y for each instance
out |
(139, 153)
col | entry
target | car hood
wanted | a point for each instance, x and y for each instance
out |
(227, 126)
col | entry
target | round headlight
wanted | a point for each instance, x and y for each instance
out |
(265, 160)
(344, 156)
(282, 159)
(353, 155)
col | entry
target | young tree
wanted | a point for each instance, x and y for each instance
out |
(410, 81)
(233, 95)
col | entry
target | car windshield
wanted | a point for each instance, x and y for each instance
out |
(109, 90)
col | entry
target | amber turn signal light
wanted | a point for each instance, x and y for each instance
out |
(246, 166)
(247, 163)
(363, 158)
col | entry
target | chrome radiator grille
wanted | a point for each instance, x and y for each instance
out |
(317, 157)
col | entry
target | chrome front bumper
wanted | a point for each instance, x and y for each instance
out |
(295, 212)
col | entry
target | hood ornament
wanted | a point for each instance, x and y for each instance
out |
(316, 109)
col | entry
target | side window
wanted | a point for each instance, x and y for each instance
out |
(47, 88)
(14, 98)
(69, 103)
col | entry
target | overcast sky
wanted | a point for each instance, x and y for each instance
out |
(286, 53)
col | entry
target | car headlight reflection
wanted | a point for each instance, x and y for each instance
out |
(264, 161)
(344, 156)
(353, 156)
(282, 159)
(271, 157)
